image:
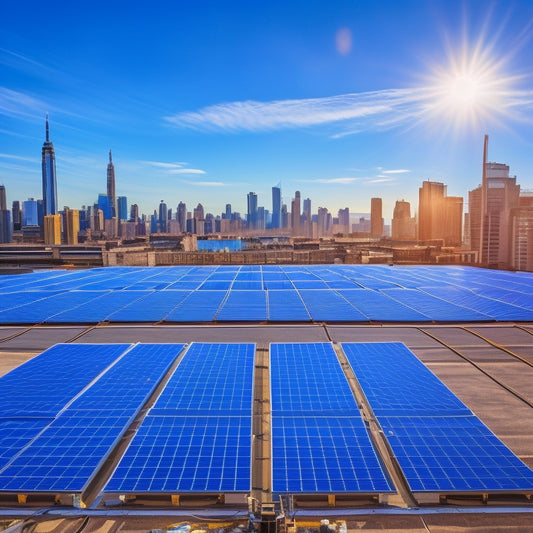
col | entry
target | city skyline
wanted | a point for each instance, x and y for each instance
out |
(233, 101)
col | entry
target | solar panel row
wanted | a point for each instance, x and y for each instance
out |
(80, 399)
(198, 435)
(319, 440)
(312, 292)
(439, 443)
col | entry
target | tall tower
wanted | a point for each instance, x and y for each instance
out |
(296, 213)
(111, 186)
(276, 206)
(376, 218)
(252, 210)
(49, 175)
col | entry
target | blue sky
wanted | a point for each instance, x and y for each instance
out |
(205, 101)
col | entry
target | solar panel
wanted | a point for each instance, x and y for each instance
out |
(53, 378)
(286, 306)
(151, 308)
(200, 306)
(197, 437)
(314, 454)
(330, 306)
(68, 452)
(454, 454)
(438, 442)
(435, 308)
(319, 440)
(397, 383)
(243, 306)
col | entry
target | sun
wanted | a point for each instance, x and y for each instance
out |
(471, 91)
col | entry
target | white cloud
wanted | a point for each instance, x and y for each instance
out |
(186, 171)
(20, 158)
(14, 103)
(162, 164)
(380, 180)
(398, 171)
(281, 114)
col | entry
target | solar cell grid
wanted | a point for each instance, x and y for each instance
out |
(316, 379)
(396, 383)
(66, 454)
(211, 378)
(454, 454)
(439, 446)
(187, 454)
(324, 455)
(197, 437)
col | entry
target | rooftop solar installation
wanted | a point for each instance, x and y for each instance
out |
(440, 445)
(394, 294)
(67, 453)
(286, 306)
(319, 440)
(149, 308)
(198, 435)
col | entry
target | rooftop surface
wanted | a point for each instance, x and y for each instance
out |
(488, 366)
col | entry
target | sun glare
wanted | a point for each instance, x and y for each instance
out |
(472, 90)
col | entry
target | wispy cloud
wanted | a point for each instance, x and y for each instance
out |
(163, 164)
(20, 158)
(186, 171)
(281, 114)
(380, 180)
(351, 113)
(17, 104)
(397, 171)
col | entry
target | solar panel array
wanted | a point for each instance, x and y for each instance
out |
(67, 453)
(198, 435)
(440, 445)
(319, 441)
(333, 293)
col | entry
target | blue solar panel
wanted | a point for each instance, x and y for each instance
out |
(498, 310)
(439, 444)
(243, 306)
(435, 308)
(376, 306)
(67, 453)
(97, 310)
(187, 454)
(317, 382)
(454, 454)
(317, 454)
(197, 437)
(38, 311)
(54, 377)
(200, 306)
(286, 306)
(211, 378)
(330, 306)
(414, 294)
(151, 308)
(397, 383)
(319, 440)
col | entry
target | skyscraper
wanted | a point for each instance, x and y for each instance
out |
(181, 215)
(252, 210)
(111, 186)
(5, 217)
(163, 217)
(49, 175)
(439, 216)
(296, 213)
(276, 206)
(122, 205)
(490, 209)
(376, 217)
(403, 226)
(17, 215)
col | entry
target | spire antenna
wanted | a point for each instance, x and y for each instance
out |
(110, 160)
(47, 130)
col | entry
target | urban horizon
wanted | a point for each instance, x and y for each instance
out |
(209, 104)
